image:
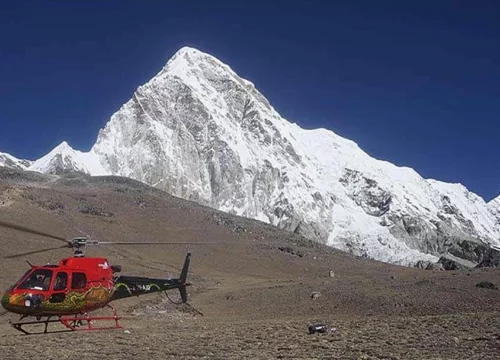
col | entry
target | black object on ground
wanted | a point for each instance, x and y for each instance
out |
(317, 328)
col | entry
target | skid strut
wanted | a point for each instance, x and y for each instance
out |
(78, 322)
(85, 322)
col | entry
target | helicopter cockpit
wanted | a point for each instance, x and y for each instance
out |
(38, 279)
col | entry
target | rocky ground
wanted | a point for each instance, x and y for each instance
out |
(255, 289)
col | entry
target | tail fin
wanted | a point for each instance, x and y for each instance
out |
(183, 277)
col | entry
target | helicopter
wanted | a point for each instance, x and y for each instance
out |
(69, 291)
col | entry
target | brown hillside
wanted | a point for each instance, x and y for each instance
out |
(253, 283)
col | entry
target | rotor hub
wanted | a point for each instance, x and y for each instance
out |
(78, 245)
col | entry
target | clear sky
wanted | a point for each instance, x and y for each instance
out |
(416, 83)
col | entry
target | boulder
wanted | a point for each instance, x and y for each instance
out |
(451, 262)
(487, 285)
(423, 264)
(434, 266)
(315, 295)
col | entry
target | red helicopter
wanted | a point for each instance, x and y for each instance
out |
(69, 291)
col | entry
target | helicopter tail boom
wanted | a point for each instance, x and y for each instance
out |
(127, 286)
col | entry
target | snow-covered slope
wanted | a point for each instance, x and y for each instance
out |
(64, 158)
(199, 131)
(12, 162)
(494, 208)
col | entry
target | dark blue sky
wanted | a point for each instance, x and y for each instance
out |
(416, 84)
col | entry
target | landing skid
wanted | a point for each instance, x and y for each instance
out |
(19, 325)
(78, 322)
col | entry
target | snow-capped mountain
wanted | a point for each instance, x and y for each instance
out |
(12, 162)
(200, 132)
(64, 158)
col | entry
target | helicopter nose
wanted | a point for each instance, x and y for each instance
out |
(10, 302)
(5, 301)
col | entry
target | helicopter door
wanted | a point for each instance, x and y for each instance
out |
(60, 287)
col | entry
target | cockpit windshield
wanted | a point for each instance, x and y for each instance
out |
(20, 279)
(39, 279)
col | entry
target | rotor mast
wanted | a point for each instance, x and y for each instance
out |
(78, 245)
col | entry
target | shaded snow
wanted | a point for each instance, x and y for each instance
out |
(8, 160)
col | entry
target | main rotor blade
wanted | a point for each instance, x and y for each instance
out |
(31, 231)
(35, 252)
(147, 243)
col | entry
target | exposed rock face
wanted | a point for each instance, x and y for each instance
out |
(200, 132)
(451, 262)
(490, 258)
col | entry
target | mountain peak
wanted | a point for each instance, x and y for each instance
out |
(64, 158)
(189, 50)
(190, 53)
(188, 59)
(62, 147)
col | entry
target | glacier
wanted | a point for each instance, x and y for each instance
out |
(200, 132)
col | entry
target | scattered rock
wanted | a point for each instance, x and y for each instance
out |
(141, 203)
(225, 220)
(44, 203)
(315, 295)
(487, 285)
(423, 264)
(289, 250)
(126, 332)
(86, 208)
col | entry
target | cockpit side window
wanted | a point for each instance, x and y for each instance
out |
(39, 279)
(78, 280)
(61, 281)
